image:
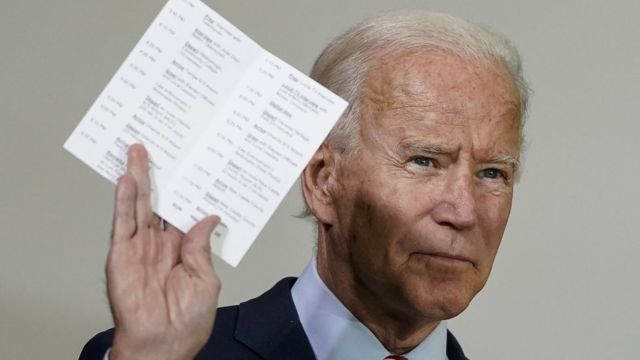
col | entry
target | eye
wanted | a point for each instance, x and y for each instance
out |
(492, 173)
(423, 161)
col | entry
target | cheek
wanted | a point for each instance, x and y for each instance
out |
(376, 226)
(493, 221)
(369, 223)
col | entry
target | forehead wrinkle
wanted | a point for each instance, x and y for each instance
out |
(511, 113)
(408, 91)
(415, 108)
(408, 100)
(393, 89)
(393, 85)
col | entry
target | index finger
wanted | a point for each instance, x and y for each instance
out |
(124, 217)
(138, 167)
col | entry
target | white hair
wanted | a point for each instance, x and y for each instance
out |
(344, 63)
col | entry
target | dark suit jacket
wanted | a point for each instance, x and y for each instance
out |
(266, 327)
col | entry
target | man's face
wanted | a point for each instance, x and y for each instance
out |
(421, 206)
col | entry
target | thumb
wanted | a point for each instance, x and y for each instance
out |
(196, 249)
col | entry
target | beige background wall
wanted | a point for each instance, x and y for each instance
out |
(565, 285)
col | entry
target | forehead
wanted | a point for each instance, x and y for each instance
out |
(439, 92)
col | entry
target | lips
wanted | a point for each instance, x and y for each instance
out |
(450, 256)
(445, 256)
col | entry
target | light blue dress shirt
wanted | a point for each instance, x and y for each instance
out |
(335, 334)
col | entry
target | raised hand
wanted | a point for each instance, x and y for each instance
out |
(162, 287)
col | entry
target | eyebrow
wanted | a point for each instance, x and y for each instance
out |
(507, 160)
(438, 149)
(425, 148)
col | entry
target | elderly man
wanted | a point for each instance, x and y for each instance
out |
(411, 193)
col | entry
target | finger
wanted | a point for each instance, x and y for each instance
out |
(124, 214)
(138, 167)
(171, 246)
(156, 221)
(196, 249)
(173, 230)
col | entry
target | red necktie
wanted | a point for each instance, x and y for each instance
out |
(395, 357)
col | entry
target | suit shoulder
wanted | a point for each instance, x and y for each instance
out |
(97, 346)
(260, 326)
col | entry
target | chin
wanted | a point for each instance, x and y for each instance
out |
(443, 302)
(451, 309)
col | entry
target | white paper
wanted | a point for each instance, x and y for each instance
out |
(228, 126)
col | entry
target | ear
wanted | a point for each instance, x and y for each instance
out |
(317, 179)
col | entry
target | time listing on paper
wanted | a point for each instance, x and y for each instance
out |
(228, 126)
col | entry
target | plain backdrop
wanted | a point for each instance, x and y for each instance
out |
(565, 283)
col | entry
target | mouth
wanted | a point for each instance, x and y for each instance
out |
(447, 257)
(450, 256)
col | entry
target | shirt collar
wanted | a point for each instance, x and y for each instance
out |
(334, 333)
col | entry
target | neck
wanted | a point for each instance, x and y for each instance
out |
(398, 330)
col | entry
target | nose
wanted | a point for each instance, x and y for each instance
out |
(457, 208)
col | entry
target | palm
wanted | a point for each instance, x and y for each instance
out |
(162, 288)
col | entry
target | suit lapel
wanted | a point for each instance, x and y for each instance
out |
(454, 350)
(273, 313)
